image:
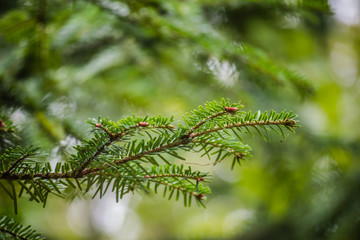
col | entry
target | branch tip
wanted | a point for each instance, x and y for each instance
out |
(290, 122)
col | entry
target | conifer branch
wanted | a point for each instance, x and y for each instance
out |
(152, 151)
(15, 164)
(224, 147)
(289, 123)
(153, 176)
(108, 158)
(205, 120)
(9, 226)
(113, 138)
(180, 188)
(89, 160)
(12, 234)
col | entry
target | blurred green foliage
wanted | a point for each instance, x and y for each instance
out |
(62, 62)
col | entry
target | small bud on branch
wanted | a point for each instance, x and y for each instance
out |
(2, 124)
(231, 110)
(143, 124)
(201, 196)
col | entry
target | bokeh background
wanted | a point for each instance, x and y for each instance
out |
(62, 62)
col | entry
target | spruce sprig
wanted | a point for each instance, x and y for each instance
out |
(140, 153)
(11, 229)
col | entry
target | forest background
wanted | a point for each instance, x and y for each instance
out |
(62, 62)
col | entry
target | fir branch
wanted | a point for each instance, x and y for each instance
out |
(15, 164)
(12, 234)
(10, 227)
(115, 137)
(259, 61)
(218, 114)
(127, 125)
(152, 151)
(13, 157)
(180, 188)
(188, 193)
(50, 175)
(289, 123)
(222, 146)
(108, 157)
(169, 175)
(89, 160)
